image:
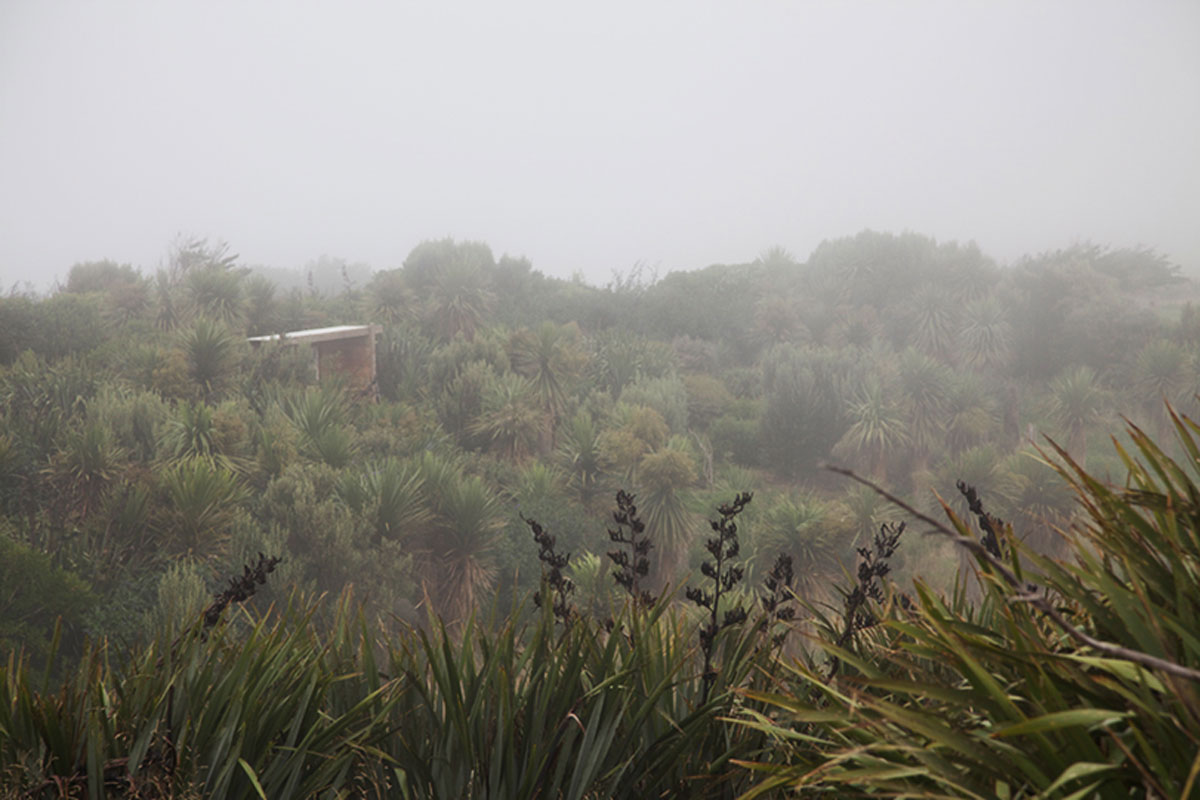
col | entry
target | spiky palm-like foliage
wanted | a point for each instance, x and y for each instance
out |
(978, 466)
(298, 704)
(11, 468)
(216, 293)
(320, 415)
(581, 455)
(169, 313)
(389, 300)
(934, 319)
(272, 709)
(1032, 495)
(191, 253)
(202, 503)
(985, 339)
(537, 483)
(519, 711)
(1163, 371)
(460, 550)
(799, 528)
(595, 593)
(134, 417)
(391, 496)
(616, 362)
(664, 475)
(190, 433)
(1072, 678)
(459, 301)
(971, 415)
(210, 352)
(460, 402)
(39, 399)
(619, 356)
(804, 414)
(84, 467)
(854, 326)
(1076, 402)
(333, 446)
(867, 511)
(401, 357)
(117, 542)
(438, 470)
(924, 388)
(511, 420)
(877, 428)
(317, 409)
(551, 359)
(262, 307)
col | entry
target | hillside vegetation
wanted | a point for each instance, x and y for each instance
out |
(1040, 645)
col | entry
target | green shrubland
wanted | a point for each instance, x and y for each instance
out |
(1072, 677)
(146, 452)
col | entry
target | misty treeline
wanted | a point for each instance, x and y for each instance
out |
(146, 452)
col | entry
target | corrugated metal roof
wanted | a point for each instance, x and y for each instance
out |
(320, 334)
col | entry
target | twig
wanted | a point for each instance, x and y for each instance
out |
(1024, 595)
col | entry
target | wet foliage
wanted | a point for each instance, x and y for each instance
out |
(147, 451)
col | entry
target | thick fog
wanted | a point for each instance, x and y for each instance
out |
(589, 139)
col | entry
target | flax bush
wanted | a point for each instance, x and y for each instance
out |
(1070, 678)
(304, 701)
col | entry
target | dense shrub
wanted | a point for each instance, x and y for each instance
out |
(37, 597)
(282, 706)
(1077, 676)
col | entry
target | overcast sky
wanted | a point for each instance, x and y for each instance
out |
(590, 137)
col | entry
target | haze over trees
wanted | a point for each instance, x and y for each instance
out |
(141, 432)
(146, 450)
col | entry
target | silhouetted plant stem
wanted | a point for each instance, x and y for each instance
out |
(560, 585)
(873, 567)
(723, 547)
(777, 603)
(241, 588)
(1026, 593)
(633, 565)
(992, 527)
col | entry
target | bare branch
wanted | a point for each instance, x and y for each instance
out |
(1024, 594)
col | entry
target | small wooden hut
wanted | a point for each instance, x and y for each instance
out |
(346, 350)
